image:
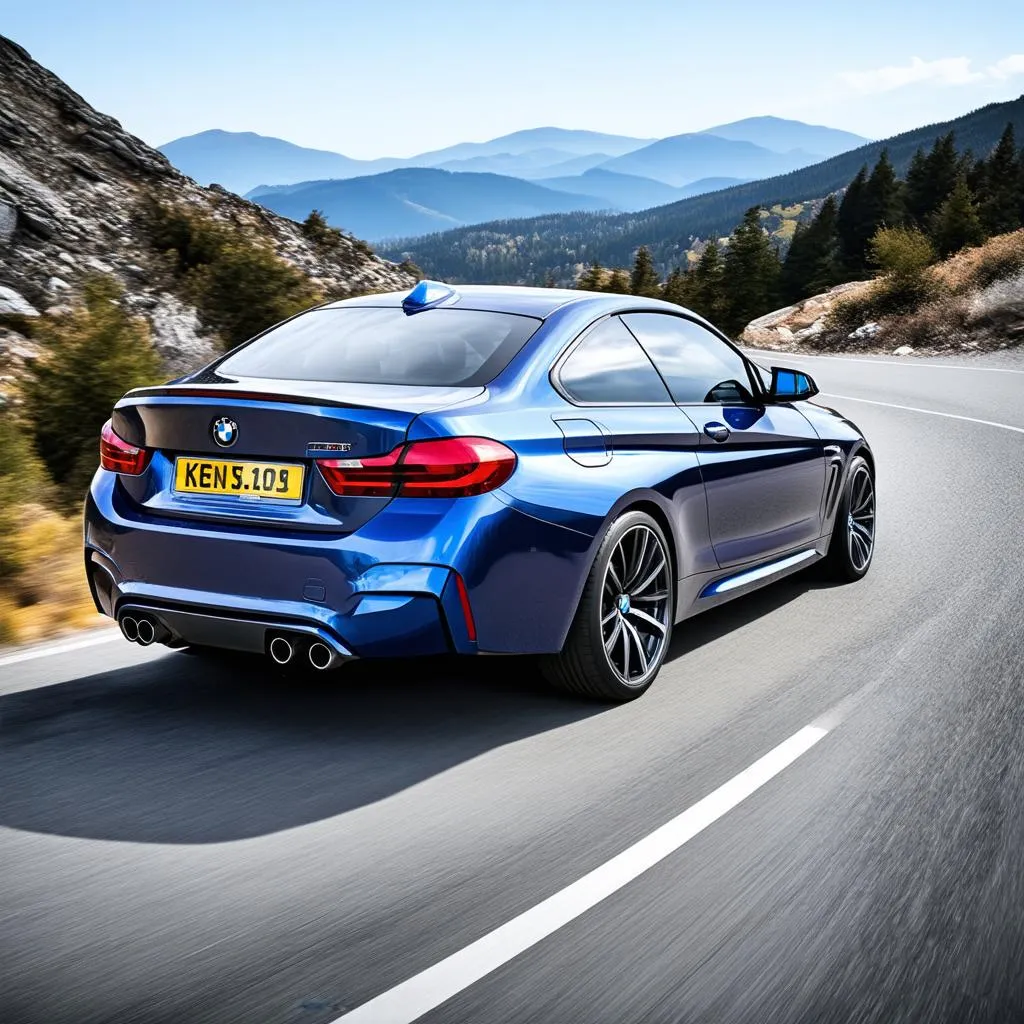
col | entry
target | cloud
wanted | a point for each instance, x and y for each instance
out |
(944, 71)
(1008, 66)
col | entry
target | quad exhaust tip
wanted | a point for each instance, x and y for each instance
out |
(320, 656)
(281, 650)
(130, 628)
(146, 632)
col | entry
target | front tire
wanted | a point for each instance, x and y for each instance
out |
(623, 625)
(853, 537)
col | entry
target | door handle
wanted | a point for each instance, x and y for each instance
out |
(717, 431)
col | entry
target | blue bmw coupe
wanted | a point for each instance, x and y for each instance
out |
(470, 470)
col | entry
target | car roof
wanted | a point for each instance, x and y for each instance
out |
(539, 302)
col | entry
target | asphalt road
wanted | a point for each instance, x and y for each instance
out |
(183, 842)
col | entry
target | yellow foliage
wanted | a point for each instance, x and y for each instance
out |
(44, 592)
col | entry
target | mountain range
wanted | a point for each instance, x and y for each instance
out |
(571, 170)
(530, 250)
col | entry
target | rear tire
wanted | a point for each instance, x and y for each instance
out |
(623, 625)
(852, 546)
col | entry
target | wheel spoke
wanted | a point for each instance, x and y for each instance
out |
(610, 642)
(608, 618)
(652, 598)
(651, 577)
(639, 557)
(632, 634)
(613, 576)
(650, 620)
(861, 531)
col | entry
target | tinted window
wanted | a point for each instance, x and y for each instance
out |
(384, 345)
(608, 366)
(696, 365)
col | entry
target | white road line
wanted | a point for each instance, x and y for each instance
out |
(929, 412)
(51, 650)
(430, 988)
(885, 362)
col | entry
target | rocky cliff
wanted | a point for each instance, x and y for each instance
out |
(72, 181)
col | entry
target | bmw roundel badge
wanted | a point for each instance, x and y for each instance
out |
(225, 431)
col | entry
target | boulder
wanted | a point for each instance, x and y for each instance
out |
(13, 303)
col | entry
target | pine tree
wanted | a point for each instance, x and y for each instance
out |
(916, 189)
(1000, 189)
(871, 202)
(812, 264)
(751, 274)
(957, 223)
(883, 196)
(617, 283)
(931, 181)
(644, 280)
(703, 290)
(850, 225)
(591, 278)
(674, 289)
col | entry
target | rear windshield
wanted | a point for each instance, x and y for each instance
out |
(384, 345)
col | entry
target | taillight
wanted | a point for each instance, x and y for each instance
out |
(447, 467)
(118, 455)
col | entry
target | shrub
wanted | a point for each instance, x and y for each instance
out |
(902, 251)
(22, 479)
(238, 285)
(247, 289)
(319, 232)
(93, 356)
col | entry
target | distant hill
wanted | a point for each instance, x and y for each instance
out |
(782, 136)
(680, 159)
(242, 160)
(531, 164)
(418, 199)
(572, 141)
(619, 191)
(527, 250)
(629, 192)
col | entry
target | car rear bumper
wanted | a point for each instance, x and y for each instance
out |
(389, 589)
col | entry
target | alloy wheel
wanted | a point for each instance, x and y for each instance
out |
(860, 522)
(635, 612)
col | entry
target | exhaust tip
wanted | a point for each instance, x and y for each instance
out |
(320, 655)
(145, 631)
(281, 650)
(130, 628)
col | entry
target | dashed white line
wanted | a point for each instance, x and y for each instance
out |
(51, 650)
(928, 412)
(423, 992)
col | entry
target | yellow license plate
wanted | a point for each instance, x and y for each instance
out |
(252, 480)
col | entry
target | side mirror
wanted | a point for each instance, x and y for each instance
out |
(791, 385)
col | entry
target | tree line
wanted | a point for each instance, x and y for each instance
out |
(947, 200)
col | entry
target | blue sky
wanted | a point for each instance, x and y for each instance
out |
(397, 77)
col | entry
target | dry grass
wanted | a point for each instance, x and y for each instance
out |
(45, 591)
(978, 267)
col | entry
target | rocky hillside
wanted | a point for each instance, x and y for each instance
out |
(971, 302)
(72, 183)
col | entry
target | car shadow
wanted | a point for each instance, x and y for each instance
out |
(194, 750)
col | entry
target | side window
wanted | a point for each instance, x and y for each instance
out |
(696, 365)
(609, 367)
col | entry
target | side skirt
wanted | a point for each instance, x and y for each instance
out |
(708, 590)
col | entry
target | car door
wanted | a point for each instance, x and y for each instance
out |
(622, 421)
(763, 464)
